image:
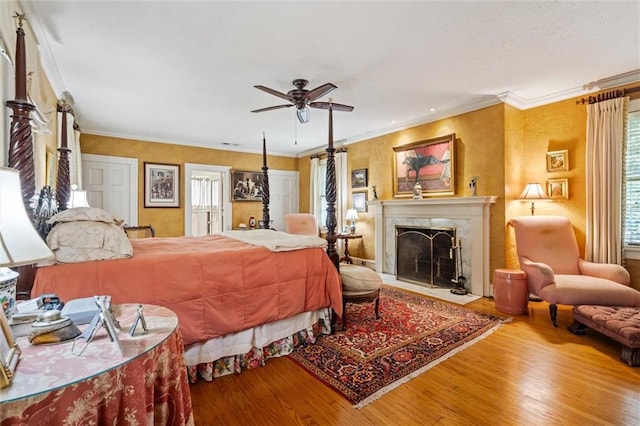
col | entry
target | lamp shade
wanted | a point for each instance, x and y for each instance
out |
(533, 191)
(352, 214)
(78, 198)
(20, 244)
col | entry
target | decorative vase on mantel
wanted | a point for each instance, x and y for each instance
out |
(417, 191)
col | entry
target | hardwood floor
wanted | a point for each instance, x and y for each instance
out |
(525, 373)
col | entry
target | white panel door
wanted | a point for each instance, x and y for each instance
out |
(112, 185)
(283, 191)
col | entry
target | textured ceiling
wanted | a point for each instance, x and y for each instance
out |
(183, 71)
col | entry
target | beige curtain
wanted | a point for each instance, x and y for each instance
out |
(605, 150)
(341, 189)
(314, 188)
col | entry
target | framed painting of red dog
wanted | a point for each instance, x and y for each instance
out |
(428, 166)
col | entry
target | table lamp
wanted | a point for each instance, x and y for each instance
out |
(352, 215)
(533, 191)
(20, 244)
(78, 198)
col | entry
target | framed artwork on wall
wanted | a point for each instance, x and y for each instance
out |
(557, 160)
(359, 201)
(558, 188)
(161, 185)
(359, 178)
(430, 163)
(246, 186)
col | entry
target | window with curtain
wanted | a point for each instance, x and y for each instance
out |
(203, 193)
(632, 178)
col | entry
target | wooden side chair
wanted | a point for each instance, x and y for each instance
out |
(141, 231)
(359, 283)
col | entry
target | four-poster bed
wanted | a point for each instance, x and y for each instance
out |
(232, 299)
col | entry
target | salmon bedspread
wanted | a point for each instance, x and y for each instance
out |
(215, 285)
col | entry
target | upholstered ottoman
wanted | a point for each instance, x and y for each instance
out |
(359, 284)
(621, 323)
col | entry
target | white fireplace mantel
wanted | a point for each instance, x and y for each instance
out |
(471, 215)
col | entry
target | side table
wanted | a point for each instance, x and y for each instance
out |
(510, 291)
(346, 238)
(146, 385)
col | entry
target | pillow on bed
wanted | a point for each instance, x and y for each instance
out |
(85, 214)
(83, 241)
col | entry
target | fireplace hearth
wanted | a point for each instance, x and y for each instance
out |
(468, 216)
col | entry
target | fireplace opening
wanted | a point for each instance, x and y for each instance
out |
(424, 255)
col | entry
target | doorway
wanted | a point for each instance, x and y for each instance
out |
(207, 206)
(112, 185)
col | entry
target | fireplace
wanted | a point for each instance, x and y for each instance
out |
(425, 255)
(468, 216)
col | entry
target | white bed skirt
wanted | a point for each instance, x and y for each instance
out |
(256, 337)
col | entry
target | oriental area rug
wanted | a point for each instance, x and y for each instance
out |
(373, 356)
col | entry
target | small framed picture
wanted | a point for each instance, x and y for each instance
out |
(9, 352)
(246, 186)
(557, 160)
(359, 178)
(558, 188)
(161, 185)
(359, 201)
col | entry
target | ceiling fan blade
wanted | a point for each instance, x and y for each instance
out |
(320, 91)
(275, 93)
(334, 106)
(272, 107)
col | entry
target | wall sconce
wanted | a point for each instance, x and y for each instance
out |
(352, 215)
(533, 191)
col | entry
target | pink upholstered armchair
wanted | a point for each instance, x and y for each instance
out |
(549, 254)
(301, 223)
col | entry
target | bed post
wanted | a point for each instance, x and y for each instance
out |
(21, 139)
(266, 220)
(63, 181)
(331, 197)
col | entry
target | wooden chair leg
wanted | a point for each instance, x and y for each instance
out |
(377, 308)
(577, 328)
(553, 311)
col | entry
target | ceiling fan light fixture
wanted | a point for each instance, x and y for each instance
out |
(303, 114)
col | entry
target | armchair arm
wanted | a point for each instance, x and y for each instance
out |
(539, 274)
(609, 271)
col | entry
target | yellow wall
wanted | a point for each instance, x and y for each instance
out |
(479, 151)
(169, 222)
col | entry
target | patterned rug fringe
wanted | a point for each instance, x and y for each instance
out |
(368, 400)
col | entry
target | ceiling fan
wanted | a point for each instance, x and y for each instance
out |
(301, 98)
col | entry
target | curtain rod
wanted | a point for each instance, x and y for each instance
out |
(605, 96)
(323, 154)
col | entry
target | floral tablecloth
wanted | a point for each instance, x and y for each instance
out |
(146, 384)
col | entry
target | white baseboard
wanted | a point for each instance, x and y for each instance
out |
(371, 264)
